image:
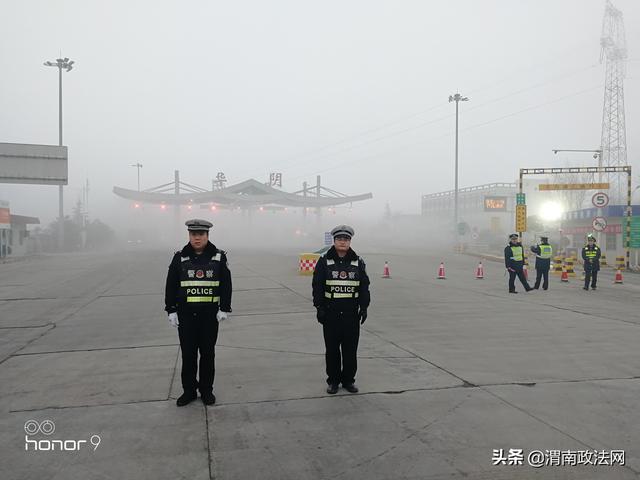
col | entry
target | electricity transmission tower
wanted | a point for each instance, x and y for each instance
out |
(614, 136)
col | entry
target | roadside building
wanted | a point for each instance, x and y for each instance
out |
(14, 233)
(577, 224)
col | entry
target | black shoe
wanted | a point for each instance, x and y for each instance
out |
(208, 398)
(536, 288)
(513, 292)
(350, 387)
(585, 288)
(186, 398)
(332, 388)
(593, 288)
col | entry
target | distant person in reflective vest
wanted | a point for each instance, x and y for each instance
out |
(513, 262)
(197, 299)
(544, 253)
(341, 296)
(591, 257)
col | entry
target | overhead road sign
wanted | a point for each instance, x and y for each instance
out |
(549, 171)
(572, 186)
(623, 169)
(33, 164)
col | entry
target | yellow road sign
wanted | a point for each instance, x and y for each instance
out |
(521, 218)
(572, 186)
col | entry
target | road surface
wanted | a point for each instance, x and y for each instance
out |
(450, 372)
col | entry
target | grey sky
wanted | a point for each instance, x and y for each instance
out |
(354, 90)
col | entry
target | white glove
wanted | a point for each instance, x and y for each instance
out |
(173, 319)
(221, 316)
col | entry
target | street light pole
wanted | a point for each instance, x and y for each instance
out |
(67, 64)
(456, 98)
(138, 166)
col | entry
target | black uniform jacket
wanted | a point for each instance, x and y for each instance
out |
(508, 262)
(594, 265)
(320, 276)
(173, 278)
(541, 263)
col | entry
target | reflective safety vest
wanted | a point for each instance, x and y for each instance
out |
(517, 254)
(343, 280)
(590, 254)
(546, 252)
(199, 284)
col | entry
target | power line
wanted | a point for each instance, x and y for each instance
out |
(471, 127)
(318, 155)
(446, 117)
(315, 152)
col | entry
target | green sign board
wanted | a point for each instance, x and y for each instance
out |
(520, 199)
(463, 228)
(635, 232)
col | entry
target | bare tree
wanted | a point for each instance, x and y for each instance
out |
(574, 199)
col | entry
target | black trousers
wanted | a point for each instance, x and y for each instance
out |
(198, 332)
(517, 272)
(542, 274)
(341, 334)
(590, 276)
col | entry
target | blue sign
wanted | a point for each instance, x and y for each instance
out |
(328, 239)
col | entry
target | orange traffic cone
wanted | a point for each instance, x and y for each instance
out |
(480, 271)
(385, 272)
(565, 276)
(618, 278)
(441, 271)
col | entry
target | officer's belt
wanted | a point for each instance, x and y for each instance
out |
(203, 299)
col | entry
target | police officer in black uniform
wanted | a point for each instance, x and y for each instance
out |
(543, 252)
(514, 261)
(591, 256)
(197, 298)
(341, 297)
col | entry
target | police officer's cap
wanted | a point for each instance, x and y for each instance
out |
(513, 235)
(543, 238)
(590, 237)
(345, 230)
(198, 225)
